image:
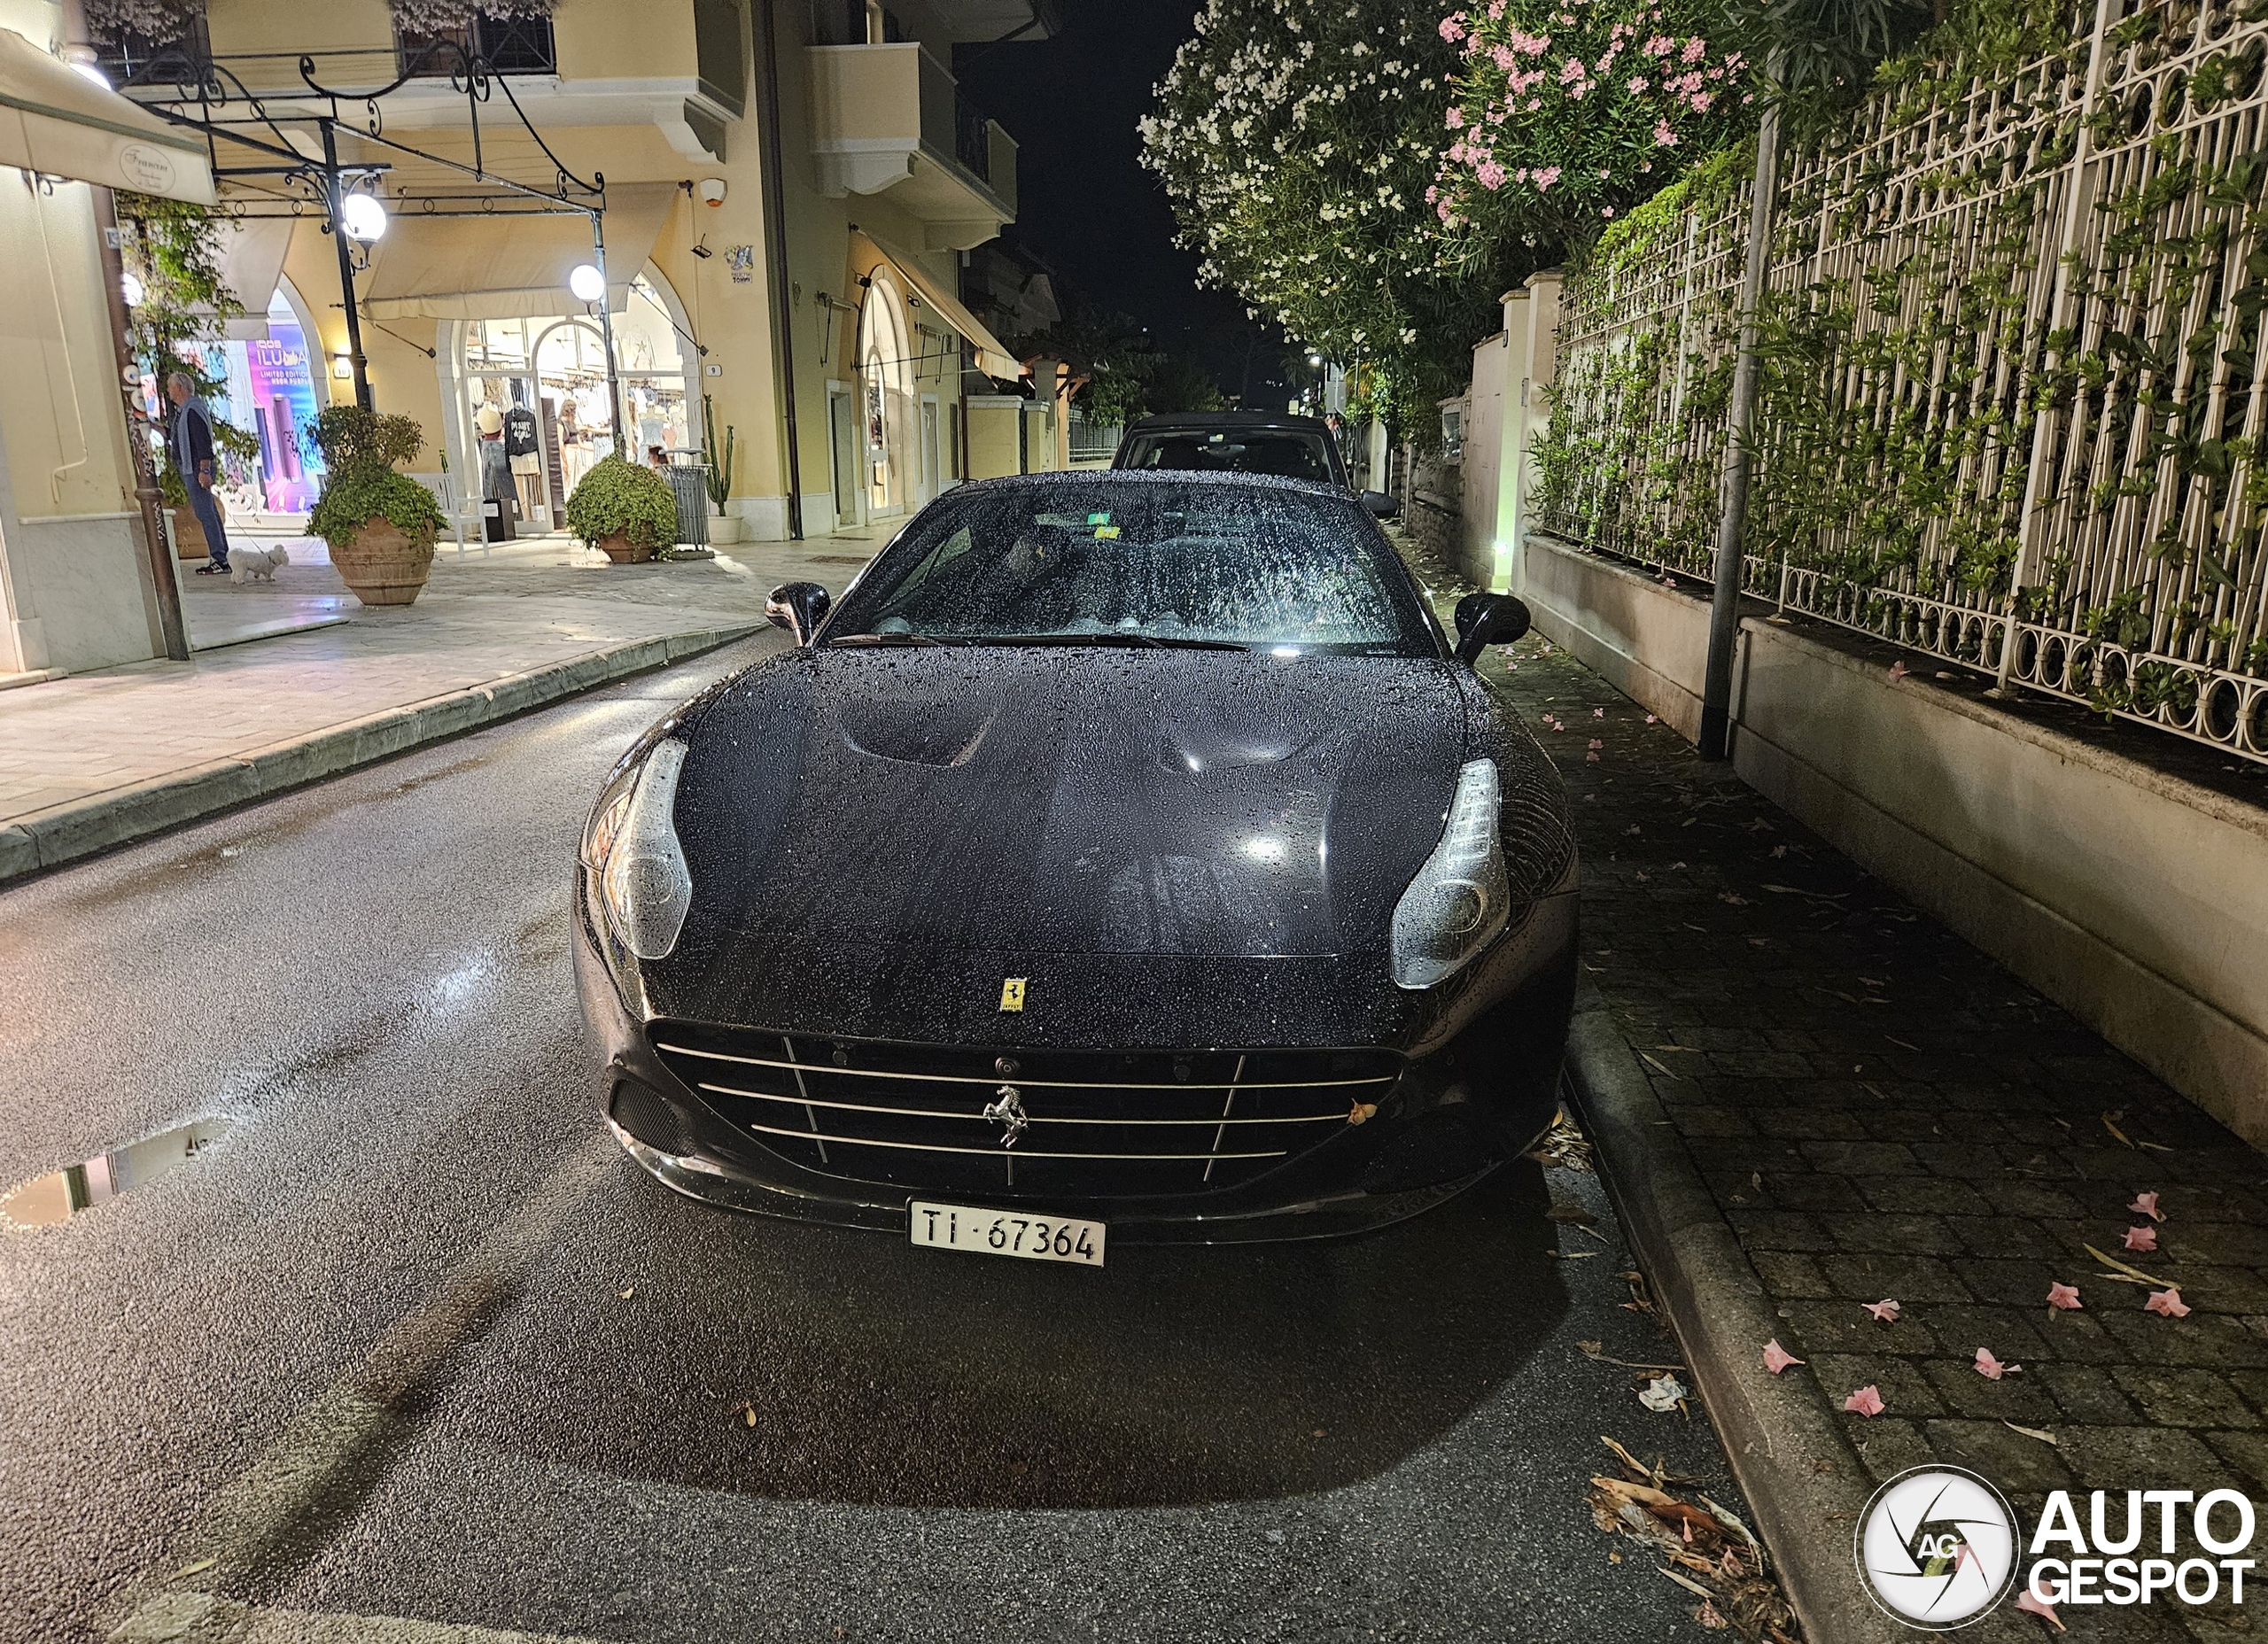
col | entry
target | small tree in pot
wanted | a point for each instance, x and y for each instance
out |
(627, 512)
(378, 522)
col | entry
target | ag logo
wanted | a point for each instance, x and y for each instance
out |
(1937, 1547)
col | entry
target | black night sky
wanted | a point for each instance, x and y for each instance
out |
(1086, 205)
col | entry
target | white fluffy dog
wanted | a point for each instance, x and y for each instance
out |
(250, 564)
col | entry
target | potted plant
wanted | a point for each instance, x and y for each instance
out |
(722, 526)
(378, 522)
(627, 512)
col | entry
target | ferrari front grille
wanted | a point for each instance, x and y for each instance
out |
(1077, 1124)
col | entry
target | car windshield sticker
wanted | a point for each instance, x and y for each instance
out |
(1104, 533)
(1097, 519)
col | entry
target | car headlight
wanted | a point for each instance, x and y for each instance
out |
(638, 879)
(1460, 898)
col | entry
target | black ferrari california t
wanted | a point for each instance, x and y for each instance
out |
(1125, 857)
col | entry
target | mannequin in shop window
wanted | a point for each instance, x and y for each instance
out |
(495, 472)
(523, 451)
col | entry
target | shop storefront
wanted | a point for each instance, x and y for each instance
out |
(531, 394)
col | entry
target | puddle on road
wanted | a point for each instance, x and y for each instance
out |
(59, 1195)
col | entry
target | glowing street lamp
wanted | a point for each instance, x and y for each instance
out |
(587, 282)
(362, 217)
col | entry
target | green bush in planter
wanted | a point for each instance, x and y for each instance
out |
(360, 448)
(619, 499)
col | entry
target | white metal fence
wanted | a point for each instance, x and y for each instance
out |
(2012, 408)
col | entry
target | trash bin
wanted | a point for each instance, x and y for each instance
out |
(690, 481)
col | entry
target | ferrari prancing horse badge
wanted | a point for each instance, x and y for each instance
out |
(1012, 993)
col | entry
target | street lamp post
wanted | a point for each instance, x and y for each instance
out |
(335, 187)
(606, 330)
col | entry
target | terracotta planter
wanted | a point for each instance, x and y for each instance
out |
(383, 564)
(622, 551)
(189, 536)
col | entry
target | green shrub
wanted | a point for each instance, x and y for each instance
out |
(619, 499)
(360, 448)
(369, 490)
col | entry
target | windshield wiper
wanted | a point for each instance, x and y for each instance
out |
(908, 637)
(1140, 641)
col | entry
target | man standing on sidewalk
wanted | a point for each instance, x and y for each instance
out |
(192, 441)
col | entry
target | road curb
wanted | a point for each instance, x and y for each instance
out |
(40, 840)
(1803, 1481)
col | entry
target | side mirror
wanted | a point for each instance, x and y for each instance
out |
(1380, 505)
(1486, 619)
(799, 608)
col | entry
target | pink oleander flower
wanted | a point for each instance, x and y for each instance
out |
(1700, 100)
(1443, 211)
(2032, 1606)
(1489, 174)
(1606, 211)
(1885, 1310)
(2168, 1302)
(1777, 1358)
(1990, 1368)
(1452, 27)
(1637, 83)
(1503, 57)
(1866, 1402)
(2063, 1295)
(2143, 1238)
(1660, 45)
(1580, 92)
(1544, 177)
(1455, 117)
(1495, 9)
(2147, 1205)
(1571, 70)
(1694, 51)
(1664, 137)
(1431, 195)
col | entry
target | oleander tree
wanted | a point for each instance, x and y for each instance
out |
(1568, 112)
(1296, 140)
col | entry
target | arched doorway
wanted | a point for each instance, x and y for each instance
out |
(887, 394)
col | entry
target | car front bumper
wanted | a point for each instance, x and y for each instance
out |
(1478, 1082)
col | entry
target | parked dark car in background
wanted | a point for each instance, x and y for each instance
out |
(1125, 855)
(1243, 442)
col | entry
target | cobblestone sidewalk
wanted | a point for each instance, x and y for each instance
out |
(1883, 1112)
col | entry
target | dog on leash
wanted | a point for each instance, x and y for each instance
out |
(251, 564)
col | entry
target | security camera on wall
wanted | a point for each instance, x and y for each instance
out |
(713, 190)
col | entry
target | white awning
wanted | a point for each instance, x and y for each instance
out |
(992, 357)
(251, 264)
(55, 120)
(508, 266)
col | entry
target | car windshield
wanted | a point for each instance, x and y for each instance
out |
(1284, 452)
(1139, 562)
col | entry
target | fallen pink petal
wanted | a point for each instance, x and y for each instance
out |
(1598, 713)
(1866, 1402)
(2063, 1295)
(1898, 670)
(1990, 1368)
(2147, 1205)
(1885, 1310)
(2143, 1239)
(1650, 719)
(2032, 1606)
(2168, 1302)
(1596, 743)
(1777, 1358)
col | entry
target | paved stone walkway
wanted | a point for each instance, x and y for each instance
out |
(480, 618)
(1883, 1112)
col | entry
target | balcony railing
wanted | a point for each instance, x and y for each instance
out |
(509, 45)
(135, 59)
(972, 136)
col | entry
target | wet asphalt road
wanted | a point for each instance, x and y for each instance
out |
(369, 1356)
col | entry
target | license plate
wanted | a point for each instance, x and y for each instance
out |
(1006, 1233)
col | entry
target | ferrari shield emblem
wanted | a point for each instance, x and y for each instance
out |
(1012, 993)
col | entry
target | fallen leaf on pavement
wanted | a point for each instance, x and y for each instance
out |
(627, 1294)
(200, 1566)
(2109, 1124)
(2063, 1295)
(1777, 1358)
(1866, 1402)
(1656, 1066)
(2134, 1274)
(2032, 1606)
(2032, 1433)
(2143, 1239)
(1885, 1310)
(2147, 1205)
(2168, 1302)
(1990, 1368)
(1591, 1350)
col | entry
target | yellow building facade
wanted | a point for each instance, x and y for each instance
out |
(805, 287)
